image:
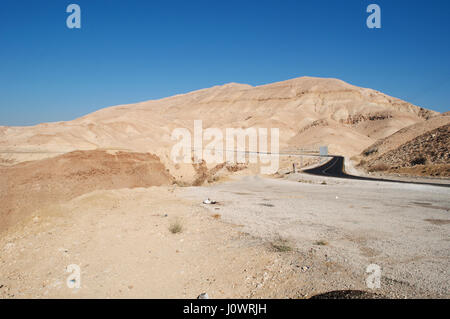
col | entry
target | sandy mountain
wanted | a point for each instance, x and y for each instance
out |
(129, 146)
(309, 112)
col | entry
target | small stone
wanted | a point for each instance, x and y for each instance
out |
(203, 296)
(208, 201)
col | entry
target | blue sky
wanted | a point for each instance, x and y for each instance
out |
(131, 51)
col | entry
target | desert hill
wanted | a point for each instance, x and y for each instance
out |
(129, 146)
(308, 111)
(404, 135)
(419, 149)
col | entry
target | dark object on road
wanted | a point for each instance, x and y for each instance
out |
(348, 294)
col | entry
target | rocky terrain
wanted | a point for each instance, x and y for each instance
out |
(421, 149)
(427, 154)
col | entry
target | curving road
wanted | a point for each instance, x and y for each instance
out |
(335, 168)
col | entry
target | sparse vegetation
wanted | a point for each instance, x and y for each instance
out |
(321, 243)
(378, 167)
(213, 179)
(362, 162)
(181, 183)
(423, 155)
(419, 161)
(267, 205)
(281, 245)
(216, 216)
(370, 151)
(176, 227)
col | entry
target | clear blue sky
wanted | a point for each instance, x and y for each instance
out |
(129, 51)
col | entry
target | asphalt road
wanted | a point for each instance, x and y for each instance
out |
(335, 168)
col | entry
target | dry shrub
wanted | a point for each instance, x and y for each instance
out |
(370, 151)
(176, 227)
(321, 242)
(418, 161)
(281, 245)
(378, 167)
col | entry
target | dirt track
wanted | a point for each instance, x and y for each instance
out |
(269, 238)
(402, 228)
(121, 241)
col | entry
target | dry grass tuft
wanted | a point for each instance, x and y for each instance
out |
(176, 227)
(281, 245)
(321, 243)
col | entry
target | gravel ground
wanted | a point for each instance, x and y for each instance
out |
(405, 229)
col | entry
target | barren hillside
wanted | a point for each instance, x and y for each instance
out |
(308, 111)
(402, 136)
(129, 146)
(427, 154)
(37, 185)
